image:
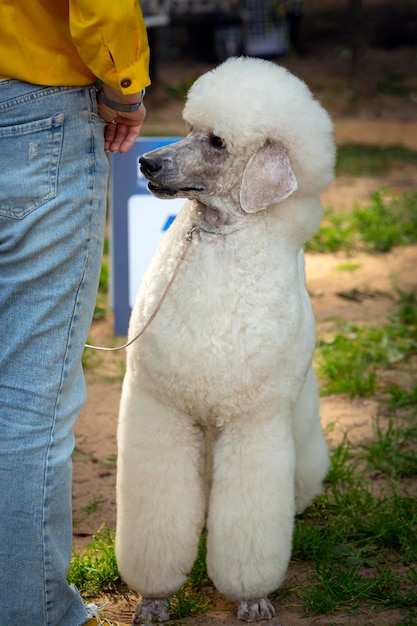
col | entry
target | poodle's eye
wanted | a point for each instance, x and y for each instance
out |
(217, 142)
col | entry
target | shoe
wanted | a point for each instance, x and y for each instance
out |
(94, 618)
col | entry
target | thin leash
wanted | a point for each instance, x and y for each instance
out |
(188, 242)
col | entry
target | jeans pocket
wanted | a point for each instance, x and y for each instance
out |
(30, 155)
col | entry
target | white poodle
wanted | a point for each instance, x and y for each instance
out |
(230, 350)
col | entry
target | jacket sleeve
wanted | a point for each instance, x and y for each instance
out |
(111, 39)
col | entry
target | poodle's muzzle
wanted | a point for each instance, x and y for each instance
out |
(190, 168)
(163, 169)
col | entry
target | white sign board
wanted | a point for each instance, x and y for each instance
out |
(148, 218)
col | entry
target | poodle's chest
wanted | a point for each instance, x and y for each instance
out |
(215, 374)
(226, 335)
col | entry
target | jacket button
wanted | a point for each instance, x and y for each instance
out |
(125, 82)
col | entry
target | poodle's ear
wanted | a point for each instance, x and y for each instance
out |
(268, 178)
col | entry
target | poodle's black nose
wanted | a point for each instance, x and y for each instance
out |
(150, 165)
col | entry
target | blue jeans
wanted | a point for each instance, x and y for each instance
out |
(53, 181)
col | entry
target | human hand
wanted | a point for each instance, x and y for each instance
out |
(122, 129)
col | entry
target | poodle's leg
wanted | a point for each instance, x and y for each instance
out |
(251, 512)
(160, 497)
(312, 458)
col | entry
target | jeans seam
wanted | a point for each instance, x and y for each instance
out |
(70, 335)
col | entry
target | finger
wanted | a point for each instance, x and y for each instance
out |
(122, 137)
(132, 133)
(109, 135)
(115, 134)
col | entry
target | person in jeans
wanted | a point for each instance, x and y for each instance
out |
(54, 129)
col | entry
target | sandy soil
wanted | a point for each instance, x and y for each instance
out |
(374, 279)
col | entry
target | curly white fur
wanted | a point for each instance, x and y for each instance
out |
(230, 351)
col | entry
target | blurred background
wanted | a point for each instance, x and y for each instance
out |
(367, 47)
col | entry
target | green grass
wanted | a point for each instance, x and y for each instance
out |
(95, 570)
(388, 220)
(358, 541)
(359, 547)
(93, 506)
(393, 451)
(348, 267)
(352, 360)
(337, 232)
(371, 160)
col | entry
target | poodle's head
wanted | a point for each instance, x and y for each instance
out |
(252, 103)
(257, 137)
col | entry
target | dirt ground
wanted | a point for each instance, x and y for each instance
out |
(386, 120)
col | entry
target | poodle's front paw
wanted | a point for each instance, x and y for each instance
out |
(151, 611)
(255, 610)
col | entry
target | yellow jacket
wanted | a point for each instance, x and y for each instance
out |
(73, 42)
